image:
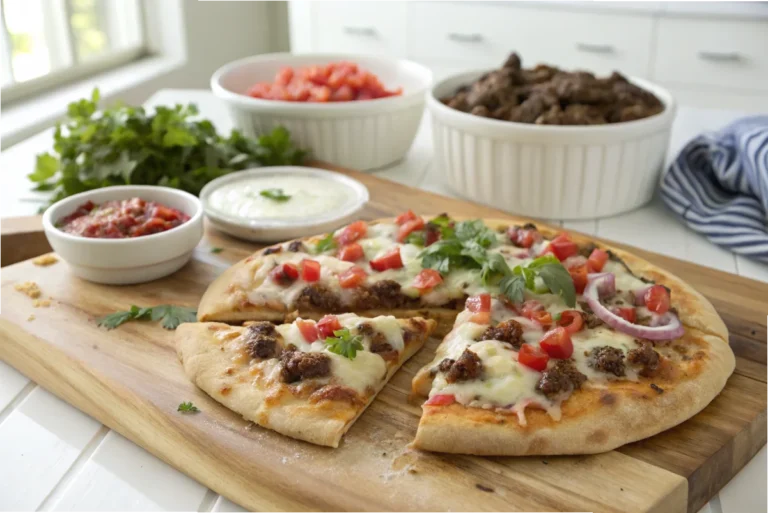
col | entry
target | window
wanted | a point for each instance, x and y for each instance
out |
(47, 43)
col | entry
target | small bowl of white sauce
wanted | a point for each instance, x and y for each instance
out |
(278, 203)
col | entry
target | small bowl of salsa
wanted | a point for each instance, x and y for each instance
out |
(125, 234)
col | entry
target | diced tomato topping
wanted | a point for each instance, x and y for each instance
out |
(597, 260)
(408, 227)
(327, 325)
(351, 252)
(352, 277)
(405, 217)
(571, 320)
(480, 318)
(310, 270)
(579, 277)
(563, 247)
(628, 313)
(352, 232)
(657, 299)
(523, 237)
(285, 274)
(427, 279)
(533, 357)
(165, 213)
(479, 303)
(536, 312)
(441, 400)
(390, 260)
(308, 330)
(557, 343)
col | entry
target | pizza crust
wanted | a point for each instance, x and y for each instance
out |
(590, 425)
(324, 423)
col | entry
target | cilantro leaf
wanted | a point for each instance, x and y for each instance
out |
(558, 280)
(275, 194)
(187, 407)
(344, 343)
(327, 243)
(543, 260)
(475, 231)
(513, 286)
(217, 250)
(416, 238)
(170, 315)
(495, 267)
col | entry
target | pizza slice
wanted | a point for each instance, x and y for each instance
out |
(626, 359)
(308, 380)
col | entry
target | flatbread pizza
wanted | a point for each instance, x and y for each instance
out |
(553, 344)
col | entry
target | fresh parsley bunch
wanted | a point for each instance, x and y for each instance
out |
(126, 145)
(345, 343)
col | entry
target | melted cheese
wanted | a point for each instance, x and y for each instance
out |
(586, 340)
(366, 370)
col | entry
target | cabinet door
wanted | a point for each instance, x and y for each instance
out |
(720, 53)
(483, 33)
(359, 27)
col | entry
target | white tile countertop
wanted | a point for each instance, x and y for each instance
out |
(53, 457)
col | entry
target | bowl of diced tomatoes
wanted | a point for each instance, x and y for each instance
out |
(355, 111)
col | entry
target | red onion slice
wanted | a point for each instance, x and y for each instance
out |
(640, 295)
(670, 329)
(606, 284)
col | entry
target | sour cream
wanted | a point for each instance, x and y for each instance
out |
(260, 197)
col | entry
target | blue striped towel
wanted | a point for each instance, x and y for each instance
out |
(718, 185)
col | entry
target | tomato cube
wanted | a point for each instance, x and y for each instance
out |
(352, 277)
(308, 330)
(627, 313)
(532, 357)
(597, 260)
(441, 400)
(391, 260)
(657, 299)
(405, 217)
(353, 232)
(479, 303)
(557, 343)
(310, 270)
(427, 279)
(285, 274)
(579, 276)
(327, 325)
(408, 227)
(351, 252)
(571, 320)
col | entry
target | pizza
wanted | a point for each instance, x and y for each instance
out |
(307, 380)
(553, 344)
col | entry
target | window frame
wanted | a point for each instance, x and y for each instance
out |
(19, 91)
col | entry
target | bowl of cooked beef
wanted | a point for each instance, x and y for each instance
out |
(550, 143)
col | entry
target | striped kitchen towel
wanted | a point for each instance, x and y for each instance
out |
(718, 185)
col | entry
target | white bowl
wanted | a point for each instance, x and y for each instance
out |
(546, 171)
(363, 135)
(280, 229)
(125, 261)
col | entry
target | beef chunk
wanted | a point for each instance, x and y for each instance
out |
(296, 246)
(297, 365)
(607, 359)
(590, 319)
(380, 294)
(562, 378)
(335, 393)
(381, 347)
(261, 341)
(645, 357)
(317, 296)
(271, 250)
(509, 331)
(445, 365)
(467, 367)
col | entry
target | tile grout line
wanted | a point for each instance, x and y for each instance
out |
(17, 400)
(209, 501)
(61, 486)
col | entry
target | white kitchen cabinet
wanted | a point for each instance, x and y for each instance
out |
(356, 27)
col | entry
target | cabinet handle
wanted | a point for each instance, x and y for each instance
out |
(361, 31)
(592, 48)
(465, 38)
(720, 56)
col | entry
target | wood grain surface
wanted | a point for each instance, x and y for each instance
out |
(130, 380)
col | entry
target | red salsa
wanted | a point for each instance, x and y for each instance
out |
(121, 219)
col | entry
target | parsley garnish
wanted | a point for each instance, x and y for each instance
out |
(327, 243)
(416, 238)
(187, 407)
(217, 250)
(170, 315)
(344, 343)
(275, 194)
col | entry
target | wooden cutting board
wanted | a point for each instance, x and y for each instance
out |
(130, 380)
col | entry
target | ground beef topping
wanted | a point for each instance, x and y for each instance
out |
(607, 359)
(509, 331)
(296, 246)
(261, 341)
(467, 367)
(380, 294)
(590, 319)
(317, 296)
(272, 250)
(297, 365)
(335, 393)
(645, 357)
(562, 378)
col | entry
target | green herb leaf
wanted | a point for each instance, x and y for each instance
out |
(187, 407)
(494, 268)
(475, 231)
(217, 250)
(170, 315)
(275, 194)
(344, 343)
(416, 238)
(513, 287)
(543, 260)
(327, 243)
(558, 281)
